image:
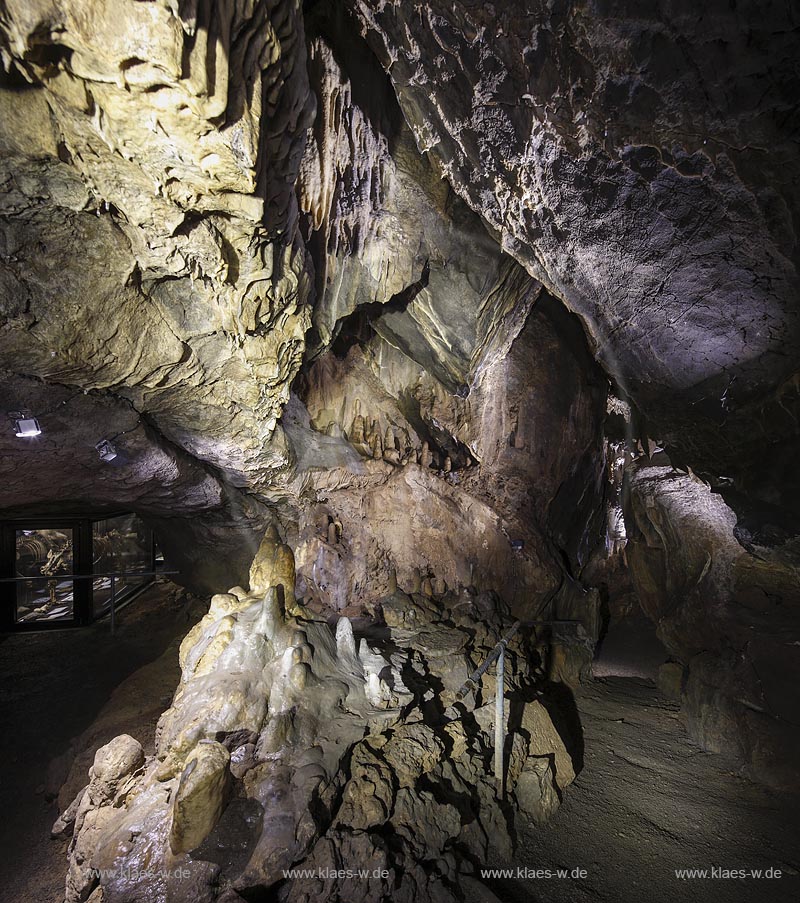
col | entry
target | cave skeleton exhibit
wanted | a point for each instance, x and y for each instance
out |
(399, 496)
(75, 571)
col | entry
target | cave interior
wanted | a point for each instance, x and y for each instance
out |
(399, 473)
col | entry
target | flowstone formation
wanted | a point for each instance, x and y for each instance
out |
(295, 743)
(386, 456)
(149, 253)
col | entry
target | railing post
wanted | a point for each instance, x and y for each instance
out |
(499, 720)
(113, 605)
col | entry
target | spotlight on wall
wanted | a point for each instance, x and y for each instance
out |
(106, 450)
(26, 427)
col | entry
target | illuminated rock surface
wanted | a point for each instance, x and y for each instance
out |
(277, 736)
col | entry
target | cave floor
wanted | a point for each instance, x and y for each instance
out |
(649, 801)
(65, 694)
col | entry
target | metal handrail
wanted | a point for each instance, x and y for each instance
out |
(471, 683)
(86, 576)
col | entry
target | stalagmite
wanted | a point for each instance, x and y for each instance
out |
(345, 641)
(426, 457)
(356, 433)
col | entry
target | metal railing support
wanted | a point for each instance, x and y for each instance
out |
(158, 573)
(499, 720)
(473, 681)
(113, 601)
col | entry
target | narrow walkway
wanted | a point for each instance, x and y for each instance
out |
(648, 802)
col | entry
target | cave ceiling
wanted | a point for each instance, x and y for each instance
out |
(641, 161)
(201, 201)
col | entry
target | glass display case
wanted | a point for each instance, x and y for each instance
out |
(44, 557)
(120, 545)
(63, 573)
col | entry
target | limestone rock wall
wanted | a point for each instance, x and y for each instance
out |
(158, 194)
(727, 612)
(386, 233)
(629, 160)
(306, 261)
(405, 484)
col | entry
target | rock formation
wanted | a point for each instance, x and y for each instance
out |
(146, 135)
(605, 150)
(289, 745)
(727, 607)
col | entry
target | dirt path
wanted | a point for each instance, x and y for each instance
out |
(649, 801)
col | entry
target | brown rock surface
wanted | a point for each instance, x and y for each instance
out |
(603, 146)
(310, 267)
(305, 781)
